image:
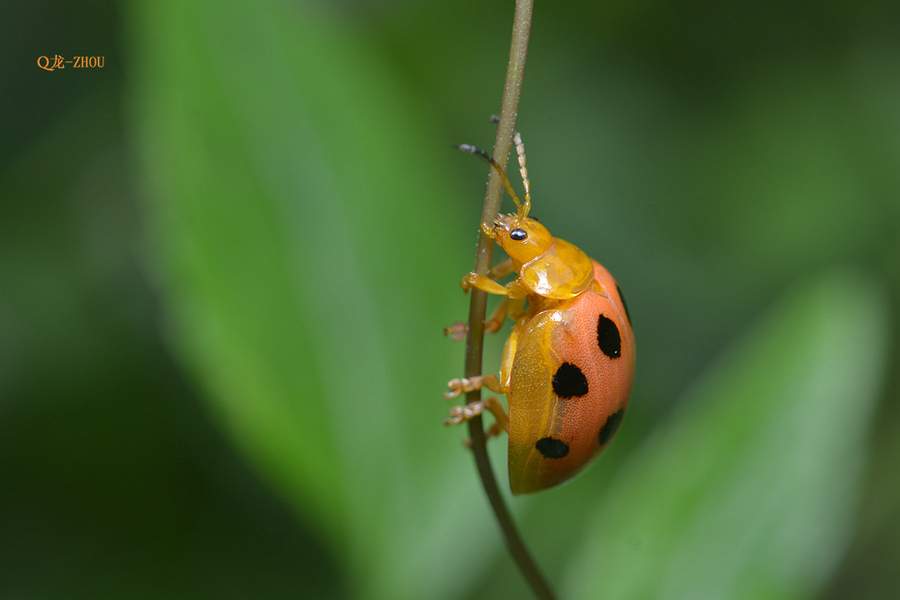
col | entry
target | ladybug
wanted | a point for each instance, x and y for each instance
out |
(568, 364)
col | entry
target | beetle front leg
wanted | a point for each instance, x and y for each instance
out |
(516, 288)
(487, 282)
(484, 283)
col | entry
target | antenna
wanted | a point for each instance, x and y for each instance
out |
(523, 209)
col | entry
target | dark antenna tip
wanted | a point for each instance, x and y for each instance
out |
(476, 150)
(493, 163)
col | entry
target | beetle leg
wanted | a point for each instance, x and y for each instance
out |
(465, 385)
(457, 331)
(498, 316)
(484, 283)
(508, 307)
(458, 414)
(502, 269)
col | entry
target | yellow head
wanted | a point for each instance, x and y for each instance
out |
(522, 237)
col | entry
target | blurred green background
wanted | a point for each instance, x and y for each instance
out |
(226, 258)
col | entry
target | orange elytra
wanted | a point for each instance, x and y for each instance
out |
(568, 364)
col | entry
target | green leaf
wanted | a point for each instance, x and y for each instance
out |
(748, 490)
(299, 216)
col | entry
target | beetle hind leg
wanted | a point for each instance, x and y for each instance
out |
(460, 414)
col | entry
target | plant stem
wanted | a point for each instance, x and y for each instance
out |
(477, 307)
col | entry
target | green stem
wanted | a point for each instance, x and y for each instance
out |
(478, 305)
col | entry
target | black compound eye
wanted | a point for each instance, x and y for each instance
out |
(518, 234)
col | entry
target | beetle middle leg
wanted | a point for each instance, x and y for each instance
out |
(507, 307)
(465, 385)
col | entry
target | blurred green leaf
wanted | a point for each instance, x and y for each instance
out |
(307, 277)
(748, 490)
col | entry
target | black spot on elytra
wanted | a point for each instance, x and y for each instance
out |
(611, 426)
(552, 447)
(625, 306)
(608, 337)
(569, 381)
